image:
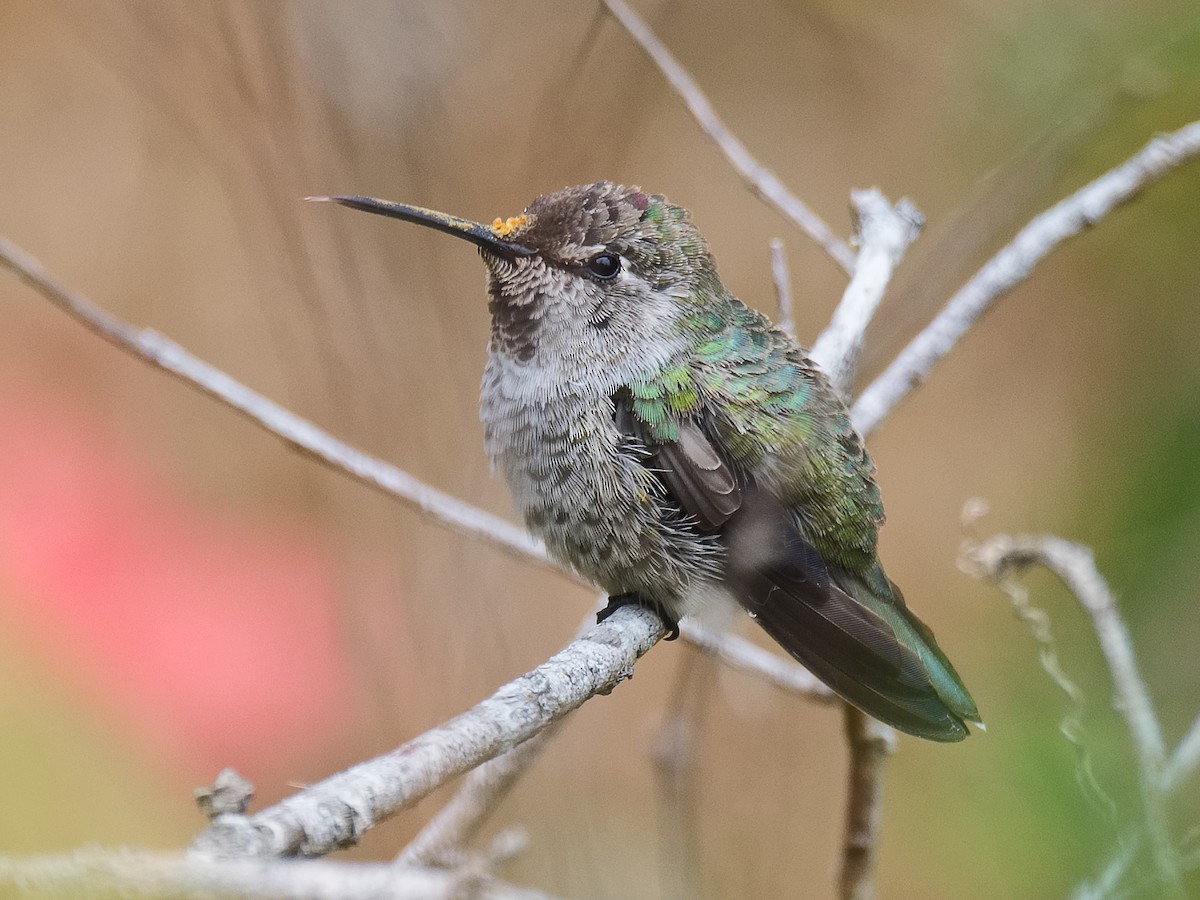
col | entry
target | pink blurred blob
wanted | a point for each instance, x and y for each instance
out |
(211, 633)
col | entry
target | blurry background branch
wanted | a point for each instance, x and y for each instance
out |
(444, 838)
(762, 181)
(784, 316)
(1013, 264)
(164, 354)
(1001, 558)
(134, 874)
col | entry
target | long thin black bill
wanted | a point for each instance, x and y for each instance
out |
(475, 232)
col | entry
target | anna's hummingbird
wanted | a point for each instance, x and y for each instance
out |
(674, 447)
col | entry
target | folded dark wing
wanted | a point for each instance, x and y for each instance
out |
(863, 653)
(783, 582)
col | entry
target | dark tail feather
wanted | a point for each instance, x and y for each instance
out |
(871, 650)
(910, 704)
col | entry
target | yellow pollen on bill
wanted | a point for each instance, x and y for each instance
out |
(504, 227)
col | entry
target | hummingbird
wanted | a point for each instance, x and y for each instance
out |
(670, 445)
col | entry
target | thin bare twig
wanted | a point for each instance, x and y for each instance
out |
(443, 839)
(783, 288)
(1000, 556)
(124, 873)
(162, 353)
(738, 653)
(884, 234)
(870, 743)
(1071, 723)
(1106, 882)
(1186, 758)
(762, 181)
(336, 812)
(1013, 264)
(677, 778)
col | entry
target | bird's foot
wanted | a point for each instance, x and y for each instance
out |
(616, 601)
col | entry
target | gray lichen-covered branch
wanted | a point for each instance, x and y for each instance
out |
(337, 812)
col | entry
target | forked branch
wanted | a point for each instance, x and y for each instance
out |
(1014, 262)
(338, 811)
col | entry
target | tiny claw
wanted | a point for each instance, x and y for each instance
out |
(616, 601)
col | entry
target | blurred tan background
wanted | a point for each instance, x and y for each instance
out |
(179, 592)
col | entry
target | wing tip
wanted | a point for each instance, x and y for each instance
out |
(946, 732)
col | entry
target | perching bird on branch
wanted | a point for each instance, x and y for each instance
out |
(673, 447)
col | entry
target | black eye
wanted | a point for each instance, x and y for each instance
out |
(604, 265)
